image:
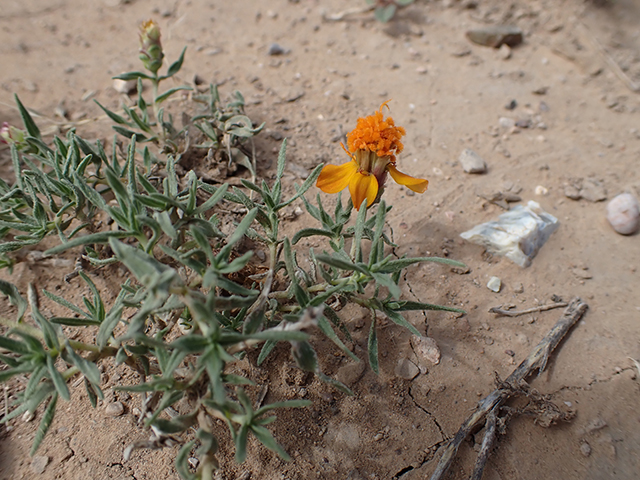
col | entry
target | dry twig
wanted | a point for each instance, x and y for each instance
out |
(489, 406)
(517, 313)
(613, 65)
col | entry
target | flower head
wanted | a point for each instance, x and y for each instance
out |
(373, 146)
(150, 47)
(11, 135)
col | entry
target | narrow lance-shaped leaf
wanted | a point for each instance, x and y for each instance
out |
(28, 122)
(45, 424)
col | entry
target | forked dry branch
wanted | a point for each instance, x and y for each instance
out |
(488, 408)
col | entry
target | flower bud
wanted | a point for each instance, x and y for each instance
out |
(150, 47)
(11, 135)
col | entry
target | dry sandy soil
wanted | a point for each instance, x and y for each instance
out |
(449, 94)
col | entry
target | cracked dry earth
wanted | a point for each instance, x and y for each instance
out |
(582, 126)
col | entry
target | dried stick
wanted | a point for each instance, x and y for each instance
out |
(613, 65)
(487, 443)
(537, 359)
(517, 313)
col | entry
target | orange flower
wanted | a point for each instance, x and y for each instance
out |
(372, 148)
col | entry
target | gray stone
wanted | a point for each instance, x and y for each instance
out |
(114, 409)
(593, 190)
(585, 449)
(472, 162)
(407, 369)
(350, 373)
(39, 464)
(276, 49)
(496, 35)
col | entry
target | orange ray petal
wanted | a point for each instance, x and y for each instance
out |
(418, 185)
(363, 186)
(335, 178)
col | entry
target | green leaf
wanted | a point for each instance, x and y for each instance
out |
(75, 322)
(398, 319)
(282, 160)
(45, 423)
(266, 438)
(11, 291)
(237, 235)
(28, 122)
(310, 232)
(125, 132)
(88, 369)
(266, 350)
(100, 237)
(305, 356)
(58, 380)
(190, 343)
(404, 306)
(396, 265)
(327, 329)
(113, 116)
(340, 263)
(177, 65)
(308, 183)
(241, 444)
(182, 461)
(384, 14)
(372, 345)
(65, 303)
(132, 76)
(387, 282)
(162, 97)
(14, 345)
(108, 325)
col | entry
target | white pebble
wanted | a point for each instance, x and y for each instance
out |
(124, 86)
(540, 190)
(623, 213)
(494, 284)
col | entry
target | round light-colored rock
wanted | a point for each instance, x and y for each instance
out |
(623, 213)
(114, 409)
(125, 86)
(426, 348)
(494, 284)
(472, 162)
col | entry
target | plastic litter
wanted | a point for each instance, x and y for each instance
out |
(517, 234)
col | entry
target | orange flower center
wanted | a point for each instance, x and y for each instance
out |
(377, 134)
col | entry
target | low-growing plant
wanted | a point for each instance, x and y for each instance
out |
(386, 9)
(196, 301)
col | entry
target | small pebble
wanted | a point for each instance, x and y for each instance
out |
(540, 190)
(585, 449)
(511, 105)
(496, 35)
(427, 348)
(472, 162)
(39, 463)
(623, 213)
(276, 49)
(505, 52)
(494, 284)
(506, 123)
(125, 86)
(406, 369)
(114, 409)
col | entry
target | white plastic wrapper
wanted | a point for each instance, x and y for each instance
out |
(517, 234)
